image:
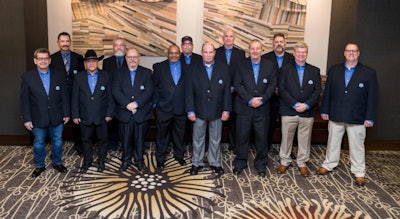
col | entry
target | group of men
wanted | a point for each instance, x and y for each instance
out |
(220, 85)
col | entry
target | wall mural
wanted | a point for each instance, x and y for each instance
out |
(150, 25)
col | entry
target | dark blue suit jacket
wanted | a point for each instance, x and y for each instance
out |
(355, 103)
(236, 56)
(38, 107)
(208, 98)
(168, 96)
(75, 66)
(247, 88)
(196, 58)
(110, 65)
(92, 108)
(141, 92)
(291, 92)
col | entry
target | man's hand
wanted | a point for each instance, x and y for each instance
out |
(325, 116)
(131, 106)
(256, 102)
(28, 126)
(108, 119)
(368, 124)
(66, 120)
(301, 107)
(192, 117)
(76, 120)
(225, 116)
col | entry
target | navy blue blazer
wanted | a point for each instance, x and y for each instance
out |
(38, 107)
(287, 59)
(168, 96)
(247, 88)
(141, 92)
(208, 98)
(92, 108)
(290, 91)
(75, 66)
(110, 65)
(352, 104)
(236, 56)
(196, 58)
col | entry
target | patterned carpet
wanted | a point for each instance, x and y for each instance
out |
(173, 193)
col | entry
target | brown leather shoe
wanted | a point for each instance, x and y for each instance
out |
(360, 181)
(304, 171)
(281, 169)
(322, 171)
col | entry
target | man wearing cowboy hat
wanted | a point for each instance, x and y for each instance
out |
(92, 107)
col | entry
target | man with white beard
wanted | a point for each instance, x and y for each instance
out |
(112, 65)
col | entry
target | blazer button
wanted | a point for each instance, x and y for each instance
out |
(301, 91)
(92, 98)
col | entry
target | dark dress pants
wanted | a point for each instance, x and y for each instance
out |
(169, 123)
(258, 120)
(88, 133)
(133, 135)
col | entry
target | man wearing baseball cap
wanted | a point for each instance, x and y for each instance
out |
(188, 57)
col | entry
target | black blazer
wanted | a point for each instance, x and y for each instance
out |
(141, 92)
(236, 56)
(246, 87)
(291, 92)
(208, 98)
(356, 102)
(110, 65)
(287, 59)
(75, 66)
(92, 108)
(196, 58)
(38, 107)
(168, 96)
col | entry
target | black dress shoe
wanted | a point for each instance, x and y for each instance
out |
(101, 167)
(141, 167)
(37, 172)
(60, 168)
(195, 170)
(181, 161)
(124, 167)
(161, 165)
(237, 171)
(261, 173)
(85, 168)
(218, 170)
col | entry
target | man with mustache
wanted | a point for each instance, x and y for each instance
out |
(112, 64)
(70, 63)
(280, 58)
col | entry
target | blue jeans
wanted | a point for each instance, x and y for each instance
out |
(39, 145)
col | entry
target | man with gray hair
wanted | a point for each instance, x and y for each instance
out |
(299, 91)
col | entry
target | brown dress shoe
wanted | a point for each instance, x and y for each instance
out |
(322, 171)
(360, 181)
(304, 171)
(281, 169)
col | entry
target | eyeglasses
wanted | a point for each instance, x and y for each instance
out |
(43, 58)
(351, 50)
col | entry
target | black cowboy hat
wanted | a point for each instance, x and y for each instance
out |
(91, 54)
